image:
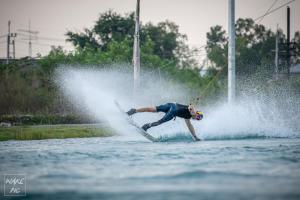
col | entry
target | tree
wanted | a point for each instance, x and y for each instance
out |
(254, 45)
(166, 38)
(81, 40)
(111, 27)
(216, 47)
(296, 54)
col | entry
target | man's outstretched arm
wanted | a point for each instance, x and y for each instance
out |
(192, 130)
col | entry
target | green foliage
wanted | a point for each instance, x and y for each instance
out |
(217, 47)
(254, 45)
(112, 28)
(296, 40)
(50, 62)
(52, 132)
(21, 91)
(45, 119)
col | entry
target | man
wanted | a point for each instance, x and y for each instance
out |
(172, 110)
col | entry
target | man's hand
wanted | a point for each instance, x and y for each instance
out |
(192, 130)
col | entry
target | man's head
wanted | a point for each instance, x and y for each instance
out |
(197, 115)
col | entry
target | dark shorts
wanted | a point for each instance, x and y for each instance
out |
(169, 109)
(166, 107)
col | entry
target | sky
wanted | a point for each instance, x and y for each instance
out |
(53, 18)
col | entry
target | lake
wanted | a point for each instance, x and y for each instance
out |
(122, 168)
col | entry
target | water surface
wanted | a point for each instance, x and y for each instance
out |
(116, 168)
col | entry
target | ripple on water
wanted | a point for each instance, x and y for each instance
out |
(107, 168)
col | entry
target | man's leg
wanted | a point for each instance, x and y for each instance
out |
(168, 116)
(145, 109)
(161, 108)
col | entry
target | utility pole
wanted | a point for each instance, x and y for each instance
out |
(32, 35)
(136, 49)
(276, 53)
(8, 43)
(13, 36)
(29, 40)
(288, 55)
(14, 49)
(10, 40)
(231, 51)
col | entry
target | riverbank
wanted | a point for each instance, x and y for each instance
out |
(53, 132)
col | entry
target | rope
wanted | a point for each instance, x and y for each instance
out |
(196, 99)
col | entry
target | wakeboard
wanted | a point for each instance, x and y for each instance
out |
(133, 123)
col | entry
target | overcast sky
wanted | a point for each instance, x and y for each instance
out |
(52, 18)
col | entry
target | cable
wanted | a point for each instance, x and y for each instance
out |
(34, 26)
(52, 39)
(205, 89)
(44, 38)
(42, 44)
(273, 4)
(274, 10)
(25, 35)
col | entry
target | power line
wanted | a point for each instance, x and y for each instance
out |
(39, 27)
(46, 38)
(52, 39)
(44, 44)
(274, 10)
(273, 4)
(33, 37)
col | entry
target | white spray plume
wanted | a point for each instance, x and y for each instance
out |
(95, 90)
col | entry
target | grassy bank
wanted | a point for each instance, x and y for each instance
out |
(46, 119)
(53, 132)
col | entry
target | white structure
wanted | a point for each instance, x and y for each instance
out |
(231, 51)
(136, 49)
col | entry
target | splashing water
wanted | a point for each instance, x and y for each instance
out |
(95, 90)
